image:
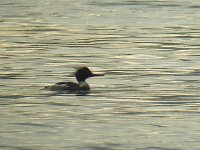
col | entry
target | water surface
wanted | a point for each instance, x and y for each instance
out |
(148, 51)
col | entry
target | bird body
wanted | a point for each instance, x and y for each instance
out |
(69, 86)
(81, 75)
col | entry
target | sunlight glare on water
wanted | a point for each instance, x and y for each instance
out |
(148, 98)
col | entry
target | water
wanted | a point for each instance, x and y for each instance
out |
(148, 50)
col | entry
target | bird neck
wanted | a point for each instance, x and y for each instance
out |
(83, 86)
(82, 83)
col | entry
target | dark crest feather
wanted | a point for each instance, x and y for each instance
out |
(83, 73)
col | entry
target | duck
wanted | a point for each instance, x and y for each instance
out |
(81, 75)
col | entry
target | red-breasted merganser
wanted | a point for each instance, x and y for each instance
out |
(81, 75)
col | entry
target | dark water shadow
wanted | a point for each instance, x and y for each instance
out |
(157, 148)
(65, 93)
(105, 146)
